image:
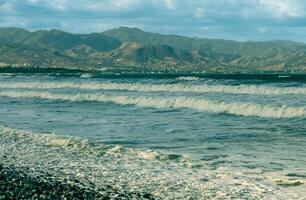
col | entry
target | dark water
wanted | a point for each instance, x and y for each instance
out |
(175, 137)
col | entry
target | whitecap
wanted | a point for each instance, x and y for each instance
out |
(99, 165)
(200, 104)
(86, 75)
(173, 88)
(188, 78)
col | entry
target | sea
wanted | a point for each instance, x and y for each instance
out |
(175, 137)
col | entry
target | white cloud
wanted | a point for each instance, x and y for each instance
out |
(170, 4)
(229, 19)
(34, 1)
(284, 8)
(262, 30)
(199, 13)
(7, 7)
(13, 22)
(107, 5)
(58, 5)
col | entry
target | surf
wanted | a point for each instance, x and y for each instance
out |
(126, 169)
(199, 104)
(173, 88)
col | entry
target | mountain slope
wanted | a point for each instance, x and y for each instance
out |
(57, 40)
(23, 56)
(131, 48)
(259, 49)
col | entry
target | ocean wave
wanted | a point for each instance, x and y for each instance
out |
(97, 166)
(86, 75)
(125, 169)
(85, 146)
(188, 78)
(140, 87)
(234, 108)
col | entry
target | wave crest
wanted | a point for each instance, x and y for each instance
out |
(97, 165)
(140, 87)
(234, 108)
(82, 145)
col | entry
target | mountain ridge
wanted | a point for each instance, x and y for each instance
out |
(130, 48)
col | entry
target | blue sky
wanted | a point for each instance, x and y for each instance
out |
(227, 19)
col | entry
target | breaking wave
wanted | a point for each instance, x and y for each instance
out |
(85, 146)
(188, 78)
(86, 75)
(98, 165)
(234, 108)
(140, 87)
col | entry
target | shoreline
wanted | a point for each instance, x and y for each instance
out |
(155, 74)
(17, 183)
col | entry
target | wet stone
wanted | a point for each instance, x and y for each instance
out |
(16, 183)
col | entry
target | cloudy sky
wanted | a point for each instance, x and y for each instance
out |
(227, 19)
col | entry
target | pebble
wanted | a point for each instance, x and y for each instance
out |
(16, 183)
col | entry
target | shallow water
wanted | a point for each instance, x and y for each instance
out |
(172, 137)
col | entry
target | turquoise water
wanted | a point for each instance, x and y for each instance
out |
(175, 137)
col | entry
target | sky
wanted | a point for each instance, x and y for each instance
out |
(226, 19)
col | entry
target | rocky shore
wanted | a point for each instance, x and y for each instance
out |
(16, 183)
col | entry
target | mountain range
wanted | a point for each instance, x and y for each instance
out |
(132, 49)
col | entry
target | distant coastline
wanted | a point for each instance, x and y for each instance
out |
(118, 73)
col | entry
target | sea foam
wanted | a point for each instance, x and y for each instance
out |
(179, 87)
(200, 104)
(96, 165)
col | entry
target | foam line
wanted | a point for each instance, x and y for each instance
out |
(234, 108)
(226, 89)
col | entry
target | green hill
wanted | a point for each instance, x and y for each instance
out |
(57, 40)
(250, 48)
(131, 48)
